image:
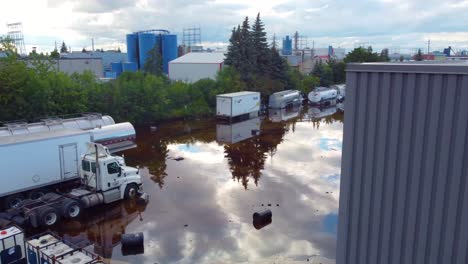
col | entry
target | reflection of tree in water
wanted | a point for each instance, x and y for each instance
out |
(247, 158)
(152, 151)
(328, 120)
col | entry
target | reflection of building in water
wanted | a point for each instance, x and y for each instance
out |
(404, 185)
(285, 114)
(236, 132)
(101, 228)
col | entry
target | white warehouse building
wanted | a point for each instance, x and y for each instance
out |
(195, 66)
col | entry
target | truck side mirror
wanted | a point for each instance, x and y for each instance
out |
(120, 171)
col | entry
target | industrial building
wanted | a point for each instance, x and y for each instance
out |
(195, 66)
(299, 56)
(140, 43)
(76, 65)
(107, 57)
(404, 167)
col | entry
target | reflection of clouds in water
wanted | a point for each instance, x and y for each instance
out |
(203, 152)
(302, 178)
(330, 144)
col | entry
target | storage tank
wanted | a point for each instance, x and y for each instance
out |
(169, 50)
(129, 66)
(132, 48)
(287, 46)
(111, 74)
(146, 42)
(116, 67)
(115, 137)
(284, 99)
(86, 122)
(322, 95)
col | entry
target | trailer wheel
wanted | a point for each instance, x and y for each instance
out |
(131, 191)
(35, 195)
(48, 216)
(71, 209)
(14, 201)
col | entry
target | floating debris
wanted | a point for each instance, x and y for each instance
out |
(262, 219)
(132, 244)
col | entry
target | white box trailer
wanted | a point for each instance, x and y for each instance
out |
(233, 133)
(32, 161)
(237, 104)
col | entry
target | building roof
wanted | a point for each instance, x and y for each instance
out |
(201, 57)
(446, 67)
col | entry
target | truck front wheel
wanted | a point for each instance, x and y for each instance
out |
(71, 209)
(14, 201)
(131, 191)
(48, 216)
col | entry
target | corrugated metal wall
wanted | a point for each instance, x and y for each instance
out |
(404, 188)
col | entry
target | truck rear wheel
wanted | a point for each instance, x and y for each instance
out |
(131, 191)
(70, 209)
(48, 216)
(35, 195)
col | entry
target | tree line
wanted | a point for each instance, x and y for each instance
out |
(29, 92)
(333, 71)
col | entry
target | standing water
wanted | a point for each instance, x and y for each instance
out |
(206, 180)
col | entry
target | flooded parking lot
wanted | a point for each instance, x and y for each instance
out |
(207, 179)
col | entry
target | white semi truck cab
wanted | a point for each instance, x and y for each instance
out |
(104, 172)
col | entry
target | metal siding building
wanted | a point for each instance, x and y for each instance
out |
(195, 66)
(404, 188)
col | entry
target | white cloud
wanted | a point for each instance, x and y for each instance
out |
(383, 23)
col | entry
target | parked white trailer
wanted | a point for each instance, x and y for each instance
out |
(285, 99)
(237, 132)
(237, 104)
(37, 163)
(32, 161)
(321, 95)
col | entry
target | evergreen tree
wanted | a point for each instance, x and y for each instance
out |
(384, 55)
(261, 52)
(83, 50)
(419, 56)
(63, 49)
(279, 66)
(247, 63)
(54, 54)
(153, 63)
(233, 55)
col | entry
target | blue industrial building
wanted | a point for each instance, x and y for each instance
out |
(287, 46)
(140, 43)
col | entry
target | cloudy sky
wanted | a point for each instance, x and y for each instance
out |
(404, 24)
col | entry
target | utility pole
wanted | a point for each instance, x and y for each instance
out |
(429, 46)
